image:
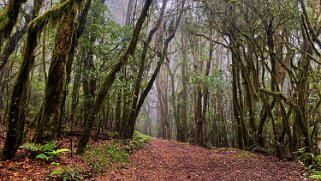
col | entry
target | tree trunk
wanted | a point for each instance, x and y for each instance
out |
(78, 31)
(19, 92)
(49, 119)
(9, 17)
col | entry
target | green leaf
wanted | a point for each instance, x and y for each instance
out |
(63, 150)
(55, 163)
(315, 177)
(56, 172)
(51, 145)
(31, 147)
(42, 156)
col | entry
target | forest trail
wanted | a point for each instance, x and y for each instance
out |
(168, 160)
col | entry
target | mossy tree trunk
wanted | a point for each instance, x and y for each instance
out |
(19, 91)
(12, 43)
(182, 126)
(49, 117)
(78, 31)
(16, 112)
(8, 18)
(108, 81)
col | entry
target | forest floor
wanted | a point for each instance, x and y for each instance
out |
(168, 160)
(157, 160)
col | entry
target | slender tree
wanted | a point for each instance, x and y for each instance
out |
(108, 81)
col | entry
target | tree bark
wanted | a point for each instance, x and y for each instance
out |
(49, 119)
(18, 97)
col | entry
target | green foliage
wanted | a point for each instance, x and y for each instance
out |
(138, 141)
(215, 82)
(97, 158)
(316, 175)
(37, 88)
(44, 152)
(42, 156)
(139, 137)
(310, 161)
(260, 149)
(100, 157)
(4, 20)
(50, 146)
(67, 173)
(117, 155)
(33, 147)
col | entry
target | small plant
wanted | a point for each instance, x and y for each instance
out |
(67, 173)
(44, 152)
(47, 155)
(310, 161)
(260, 149)
(316, 175)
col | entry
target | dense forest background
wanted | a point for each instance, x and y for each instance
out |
(216, 73)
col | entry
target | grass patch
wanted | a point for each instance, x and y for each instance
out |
(101, 157)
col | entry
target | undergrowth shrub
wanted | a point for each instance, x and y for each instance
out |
(117, 155)
(138, 141)
(67, 173)
(47, 152)
(100, 157)
(311, 162)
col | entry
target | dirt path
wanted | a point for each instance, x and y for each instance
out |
(166, 160)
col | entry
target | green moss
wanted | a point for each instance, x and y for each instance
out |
(101, 157)
(140, 137)
(97, 157)
(117, 155)
(4, 18)
(138, 141)
(52, 15)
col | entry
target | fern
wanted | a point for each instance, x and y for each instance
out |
(50, 146)
(33, 147)
(62, 150)
(44, 152)
(42, 156)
